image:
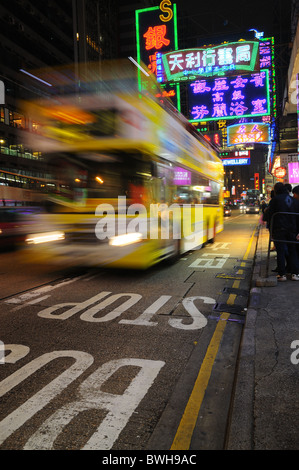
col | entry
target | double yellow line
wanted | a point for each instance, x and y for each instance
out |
(187, 424)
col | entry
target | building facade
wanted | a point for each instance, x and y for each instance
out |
(37, 35)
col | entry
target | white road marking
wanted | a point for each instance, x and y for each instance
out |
(119, 407)
(23, 413)
(203, 262)
(145, 317)
(41, 291)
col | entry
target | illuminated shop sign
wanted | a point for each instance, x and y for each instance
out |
(293, 172)
(181, 177)
(266, 53)
(242, 153)
(297, 90)
(156, 32)
(229, 58)
(213, 137)
(280, 172)
(246, 133)
(229, 97)
(235, 161)
(256, 181)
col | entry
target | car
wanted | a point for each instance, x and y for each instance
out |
(252, 209)
(12, 228)
(227, 211)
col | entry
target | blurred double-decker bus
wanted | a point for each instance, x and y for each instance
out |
(135, 183)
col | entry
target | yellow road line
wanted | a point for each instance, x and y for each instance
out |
(231, 299)
(187, 424)
(184, 432)
(249, 244)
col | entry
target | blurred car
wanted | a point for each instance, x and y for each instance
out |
(12, 228)
(242, 208)
(252, 209)
(227, 211)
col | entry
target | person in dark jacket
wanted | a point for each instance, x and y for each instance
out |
(266, 210)
(296, 192)
(284, 229)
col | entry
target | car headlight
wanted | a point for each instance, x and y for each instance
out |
(37, 238)
(126, 239)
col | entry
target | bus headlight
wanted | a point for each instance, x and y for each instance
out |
(126, 239)
(37, 238)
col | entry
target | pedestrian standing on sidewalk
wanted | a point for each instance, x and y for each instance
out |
(296, 192)
(284, 230)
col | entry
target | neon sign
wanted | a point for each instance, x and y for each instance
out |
(156, 32)
(293, 172)
(256, 181)
(155, 37)
(235, 161)
(297, 89)
(229, 97)
(246, 133)
(166, 10)
(280, 172)
(266, 52)
(230, 58)
(181, 177)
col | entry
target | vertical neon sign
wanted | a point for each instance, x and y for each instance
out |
(156, 33)
(267, 62)
(297, 97)
(256, 181)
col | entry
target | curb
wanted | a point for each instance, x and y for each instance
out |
(260, 264)
(241, 426)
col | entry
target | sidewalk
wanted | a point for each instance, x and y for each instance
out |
(265, 410)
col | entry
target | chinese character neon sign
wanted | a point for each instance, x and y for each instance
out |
(229, 97)
(246, 133)
(156, 33)
(231, 58)
(155, 37)
(266, 52)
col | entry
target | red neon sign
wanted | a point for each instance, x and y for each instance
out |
(165, 94)
(280, 172)
(156, 34)
(256, 181)
(155, 37)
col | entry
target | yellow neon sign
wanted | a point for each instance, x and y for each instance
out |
(166, 10)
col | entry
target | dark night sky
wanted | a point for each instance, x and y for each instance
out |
(207, 18)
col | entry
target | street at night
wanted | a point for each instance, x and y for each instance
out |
(149, 228)
(159, 322)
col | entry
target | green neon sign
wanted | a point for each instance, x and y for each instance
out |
(156, 35)
(225, 59)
